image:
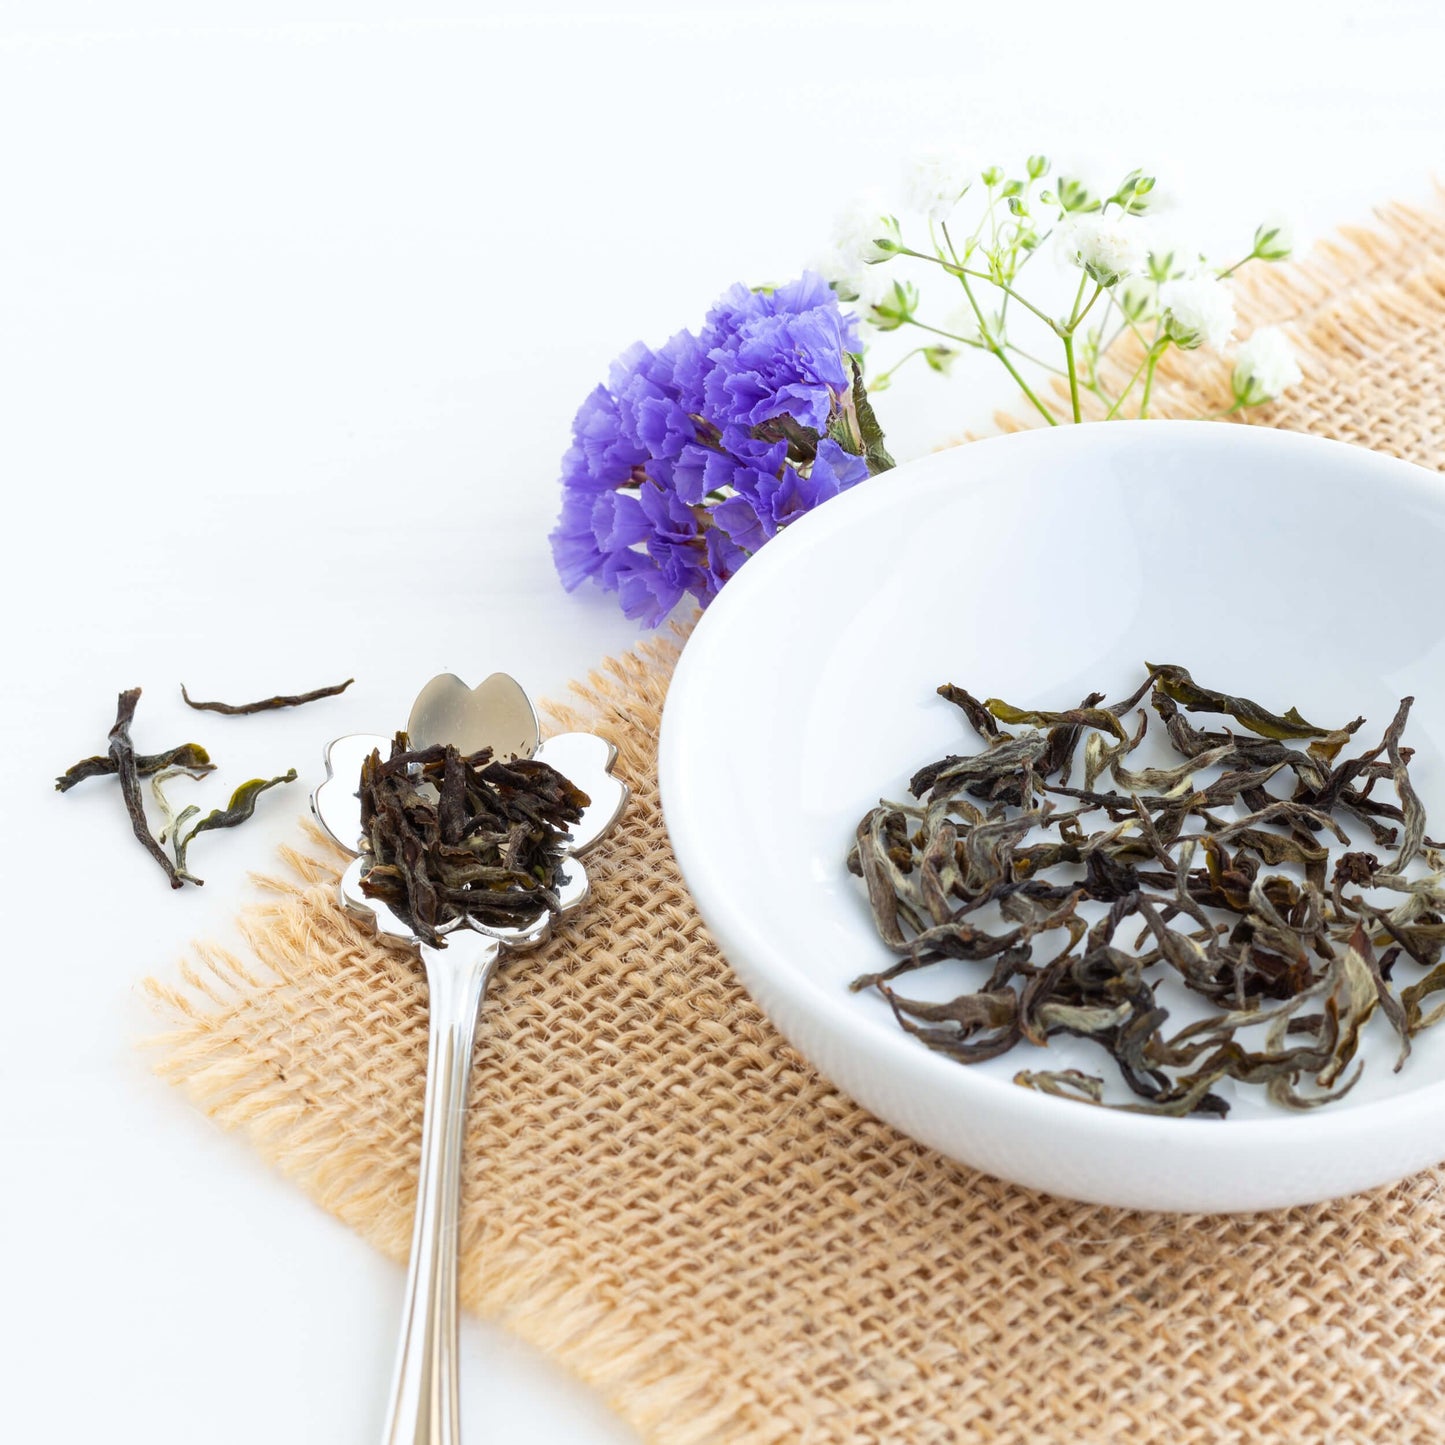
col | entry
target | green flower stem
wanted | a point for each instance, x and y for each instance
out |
(1230, 410)
(884, 378)
(1073, 375)
(1155, 352)
(948, 335)
(1110, 301)
(952, 251)
(1123, 395)
(1066, 332)
(933, 241)
(1230, 270)
(977, 346)
(1034, 360)
(998, 351)
(1127, 323)
(1073, 320)
(962, 272)
(1078, 320)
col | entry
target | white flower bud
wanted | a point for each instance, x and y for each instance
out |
(840, 272)
(1264, 367)
(1273, 241)
(1198, 311)
(866, 234)
(936, 183)
(1107, 247)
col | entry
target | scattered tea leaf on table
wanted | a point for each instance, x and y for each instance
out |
(191, 757)
(241, 807)
(122, 755)
(174, 822)
(266, 704)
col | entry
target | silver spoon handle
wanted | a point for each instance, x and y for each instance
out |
(423, 1409)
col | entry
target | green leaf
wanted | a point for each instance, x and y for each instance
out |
(874, 450)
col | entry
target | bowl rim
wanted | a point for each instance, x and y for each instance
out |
(763, 966)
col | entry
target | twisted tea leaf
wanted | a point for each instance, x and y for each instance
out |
(122, 756)
(984, 722)
(1176, 683)
(191, 757)
(241, 807)
(266, 704)
(175, 822)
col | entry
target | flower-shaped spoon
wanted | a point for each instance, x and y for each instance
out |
(497, 714)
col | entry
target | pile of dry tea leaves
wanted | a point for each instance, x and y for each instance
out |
(1181, 864)
(449, 836)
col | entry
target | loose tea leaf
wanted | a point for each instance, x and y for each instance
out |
(241, 807)
(123, 760)
(1293, 957)
(1176, 683)
(174, 822)
(190, 757)
(266, 704)
(452, 837)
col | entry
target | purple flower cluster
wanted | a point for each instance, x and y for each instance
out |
(694, 455)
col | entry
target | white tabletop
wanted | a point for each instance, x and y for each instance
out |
(275, 295)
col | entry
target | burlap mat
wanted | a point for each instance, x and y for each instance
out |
(663, 1196)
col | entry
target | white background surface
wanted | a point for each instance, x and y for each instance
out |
(293, 320)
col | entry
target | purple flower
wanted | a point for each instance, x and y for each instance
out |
(694, 455)
(779, 353)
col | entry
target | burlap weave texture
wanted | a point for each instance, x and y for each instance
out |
(662, 1195)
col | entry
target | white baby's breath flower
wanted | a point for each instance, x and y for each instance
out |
(860, 230)
(1264, 367)
(1107, 247)
(841, 272)
(936, 182)
(1198, 311)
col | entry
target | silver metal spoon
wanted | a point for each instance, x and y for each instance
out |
(497, 714)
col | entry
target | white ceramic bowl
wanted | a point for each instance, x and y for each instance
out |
(1037, 567)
